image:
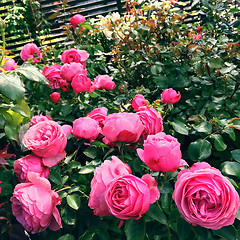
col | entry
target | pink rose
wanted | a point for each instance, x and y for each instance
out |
(75, 55)
(161, 153)
(103, 176)
(80, 83)
(38, 118)
(170, 96)
(85, 127)
(47, 140)
(138, 101)
(9, 65)
(34, 205)
(103, 82)
(30, 50)
(69, 70)
(55, 96)
(127, 197)
(98, 114)
(29, 163)
(205, 197)
(76, 19)
(53, 75)
(123, 127)
(151, 119)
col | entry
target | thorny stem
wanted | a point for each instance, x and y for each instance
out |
(3, 40)
(235, 90)
(219, 130)
(83, 193)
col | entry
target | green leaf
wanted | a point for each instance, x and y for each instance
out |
(6, 189)
(218, 142)
(204, 127)
(228, 232)
(90, 152)
(231, 168)
(69, 216)
(199, 150)
(66, 110)
(31, 73)
(135, 229)
(230, 133)
(183, 228)
(2, 121)
(215, 63)
(55, 177)
(11, 86)
(88, 235)
(11, 132)
(156, 213)
(236, 154)
(67, 237)
(180, 127)
(6, 175)
(87, 169)
(74, 201)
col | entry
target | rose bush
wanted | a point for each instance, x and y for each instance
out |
(144, 192)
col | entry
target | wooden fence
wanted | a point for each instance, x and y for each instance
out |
(57, 17)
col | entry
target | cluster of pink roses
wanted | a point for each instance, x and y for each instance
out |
(115, 191)
(74, 73)
(33, 201)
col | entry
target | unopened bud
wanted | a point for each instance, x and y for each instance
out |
(2, 24)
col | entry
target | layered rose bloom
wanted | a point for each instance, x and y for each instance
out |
(53, 75)
(30, 50)
(161, 153)
(170, 96)
(103, 82)
(123, 127)
(29, 163)
(34, 205)
(38, 118)
(46, 139)
(151, 119)
(80, 83)
(205, 197)
(69, 70)
(86, 128)
(128, 197)
(115, 191)
(76, 19)
(75, 55)
(138, 101)
(98, 114)
(103, 176)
